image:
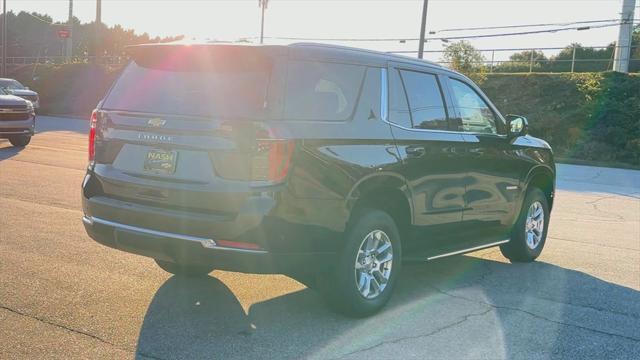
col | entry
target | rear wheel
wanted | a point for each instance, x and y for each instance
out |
(183, 269)
(20, 140)
(366, 271)
(530, 232)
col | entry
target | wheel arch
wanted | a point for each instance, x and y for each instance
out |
(387, 192)
(543, 178)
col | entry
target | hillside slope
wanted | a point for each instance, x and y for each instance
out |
(587, 116)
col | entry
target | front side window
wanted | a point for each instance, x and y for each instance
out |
(475, 115)
(425, 100)
(321, 91)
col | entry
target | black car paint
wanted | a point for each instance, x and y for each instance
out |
(458, 186)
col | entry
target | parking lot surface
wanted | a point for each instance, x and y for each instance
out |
(64, 296)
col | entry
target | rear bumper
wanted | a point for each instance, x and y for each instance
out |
(194, 250)
(192, 238)
(176, 247)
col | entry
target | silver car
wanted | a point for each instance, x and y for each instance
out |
(17, 119)
(14, 87)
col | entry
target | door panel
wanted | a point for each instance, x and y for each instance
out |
(492, 186)
(494, 168)
(433, 168)
(431, 159)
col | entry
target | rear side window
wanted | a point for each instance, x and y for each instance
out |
(321, 90)
(398, 108)
(425, 100)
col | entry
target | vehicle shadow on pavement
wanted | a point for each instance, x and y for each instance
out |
(7, 150)
(461, 307)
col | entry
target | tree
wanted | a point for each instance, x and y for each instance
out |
(463, 57)
(521, 62)
(35, 35)
(587, 59)
(634, 64)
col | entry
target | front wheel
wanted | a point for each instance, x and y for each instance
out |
(530, 231)
(367, 269)
(20, 140)
(184, 269)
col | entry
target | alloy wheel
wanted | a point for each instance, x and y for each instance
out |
(373, 264)
(534, 225)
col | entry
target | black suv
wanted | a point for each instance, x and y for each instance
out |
(329, 164)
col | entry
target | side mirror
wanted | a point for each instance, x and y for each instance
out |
(517, 126)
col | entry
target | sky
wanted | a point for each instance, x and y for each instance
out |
(231, 20)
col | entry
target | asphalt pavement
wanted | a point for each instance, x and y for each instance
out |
(64, 296)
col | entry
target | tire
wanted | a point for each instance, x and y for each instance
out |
(183, 269)
(525, 246)
(369, 229)
(20, 140)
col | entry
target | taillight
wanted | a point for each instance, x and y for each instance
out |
(271, 160)
(92, 135)
(262, 156)
(237, 245)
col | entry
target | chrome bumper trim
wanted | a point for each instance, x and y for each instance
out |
(14, 132)
(206, 243)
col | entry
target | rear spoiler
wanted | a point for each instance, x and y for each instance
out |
(203, 57)
(141, 49)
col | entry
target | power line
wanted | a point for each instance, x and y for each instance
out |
(527, 25)
(579, 28)
(447, 37)
(39, 18)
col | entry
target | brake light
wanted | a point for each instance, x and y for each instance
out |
(92, 135)
(272, 160)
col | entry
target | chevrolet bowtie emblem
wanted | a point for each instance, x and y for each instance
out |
(156, 122)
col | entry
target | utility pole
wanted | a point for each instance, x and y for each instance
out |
(98, 35)
(4, 38)
(423, 26)
(263, 7)
(69, 42)
(623, 47)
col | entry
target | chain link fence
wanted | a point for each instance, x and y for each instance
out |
(564, 59)
(58, 60)
(511, 60)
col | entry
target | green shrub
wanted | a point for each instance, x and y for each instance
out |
(69, 88)
(586, 116)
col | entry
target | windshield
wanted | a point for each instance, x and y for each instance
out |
(218, 87)
(11, 84)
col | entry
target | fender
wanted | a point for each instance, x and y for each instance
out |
(383, 179)
(540, 169)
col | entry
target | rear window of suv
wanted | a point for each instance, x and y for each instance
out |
(235, 83)
(206, 84)
(321, 90)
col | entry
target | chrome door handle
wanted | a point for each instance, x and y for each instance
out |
(476, 152)
(415, 151)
